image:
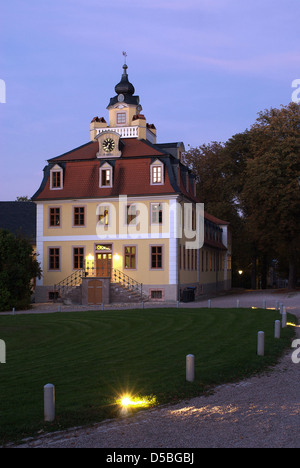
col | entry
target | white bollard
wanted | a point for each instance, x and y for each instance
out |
(277, 329)
(264, 304)
(49, 402)
(284, 320)
(237, 304)
(190, 368)
(2, 352)
(177, 304)
(209, 303)
(261, 343)
(277, 305)
(281, 308)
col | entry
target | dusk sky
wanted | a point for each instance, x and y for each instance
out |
(203, 70)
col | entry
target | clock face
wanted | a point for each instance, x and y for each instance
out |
(108, 145)
(121, 97)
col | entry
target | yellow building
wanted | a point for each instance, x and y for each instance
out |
(120, 213)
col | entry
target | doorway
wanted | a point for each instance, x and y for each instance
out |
(95, 292)
(103, 260)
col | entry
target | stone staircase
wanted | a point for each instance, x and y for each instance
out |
(123, 289)
(119, 294)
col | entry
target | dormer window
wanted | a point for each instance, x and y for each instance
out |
(106, 175)
(56, 178)
(157, 173)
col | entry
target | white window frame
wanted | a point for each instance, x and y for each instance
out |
(106, 167)
(157, 164)
(156, 213)
(123, 118)
(56, 169)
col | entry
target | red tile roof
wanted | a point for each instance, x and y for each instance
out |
(131, 175)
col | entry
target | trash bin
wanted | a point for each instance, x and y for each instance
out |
(188, 294)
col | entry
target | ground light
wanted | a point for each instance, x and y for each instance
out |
(129, 401)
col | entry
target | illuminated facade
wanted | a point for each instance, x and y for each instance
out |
(115, 209)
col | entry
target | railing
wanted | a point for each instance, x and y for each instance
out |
(124, 132)
(127, 282)
(117, 276)
(64, 286)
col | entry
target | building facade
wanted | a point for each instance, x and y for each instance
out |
(123, 208)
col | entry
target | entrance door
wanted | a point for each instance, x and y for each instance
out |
(94, 292)
(103, 264)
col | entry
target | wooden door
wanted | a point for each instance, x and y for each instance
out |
(95, 292)
(103, 264)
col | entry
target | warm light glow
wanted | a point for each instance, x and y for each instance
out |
(125, 401)
(290, 324)
(116, 257)
(128, 401)
(90, 258)
(240, 272)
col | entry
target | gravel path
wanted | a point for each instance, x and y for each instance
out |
(260, 412)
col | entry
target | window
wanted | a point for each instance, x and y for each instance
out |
(56, 178)
(54, 258)
(157, 173)
(106, 176)
(130, 257)
(156, 257)
(121, 118)
(79, 216)
(156, 213)
(78, 258)
(54, 217)
(130, 216)
(103, 216)
(156, 294)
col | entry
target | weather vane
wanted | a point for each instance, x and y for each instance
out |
(125, 55)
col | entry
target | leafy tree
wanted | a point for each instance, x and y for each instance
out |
(253, 181)
(24, 198)
(18, 268)
(271, 193)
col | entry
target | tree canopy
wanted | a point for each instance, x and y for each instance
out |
(18, 268)
(253, 181)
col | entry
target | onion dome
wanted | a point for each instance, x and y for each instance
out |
(124, 87)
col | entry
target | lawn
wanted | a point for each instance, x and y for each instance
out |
(94, 357)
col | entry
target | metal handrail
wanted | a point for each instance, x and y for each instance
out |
(129, 283)
(71, 281)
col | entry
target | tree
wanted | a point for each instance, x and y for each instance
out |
(253, 181)
(271, 193)
(18, 268)
(24, 198)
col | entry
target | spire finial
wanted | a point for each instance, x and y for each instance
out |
(124, 55)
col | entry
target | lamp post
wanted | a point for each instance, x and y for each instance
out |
(240, 272)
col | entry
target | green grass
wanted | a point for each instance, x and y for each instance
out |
(93, 357)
